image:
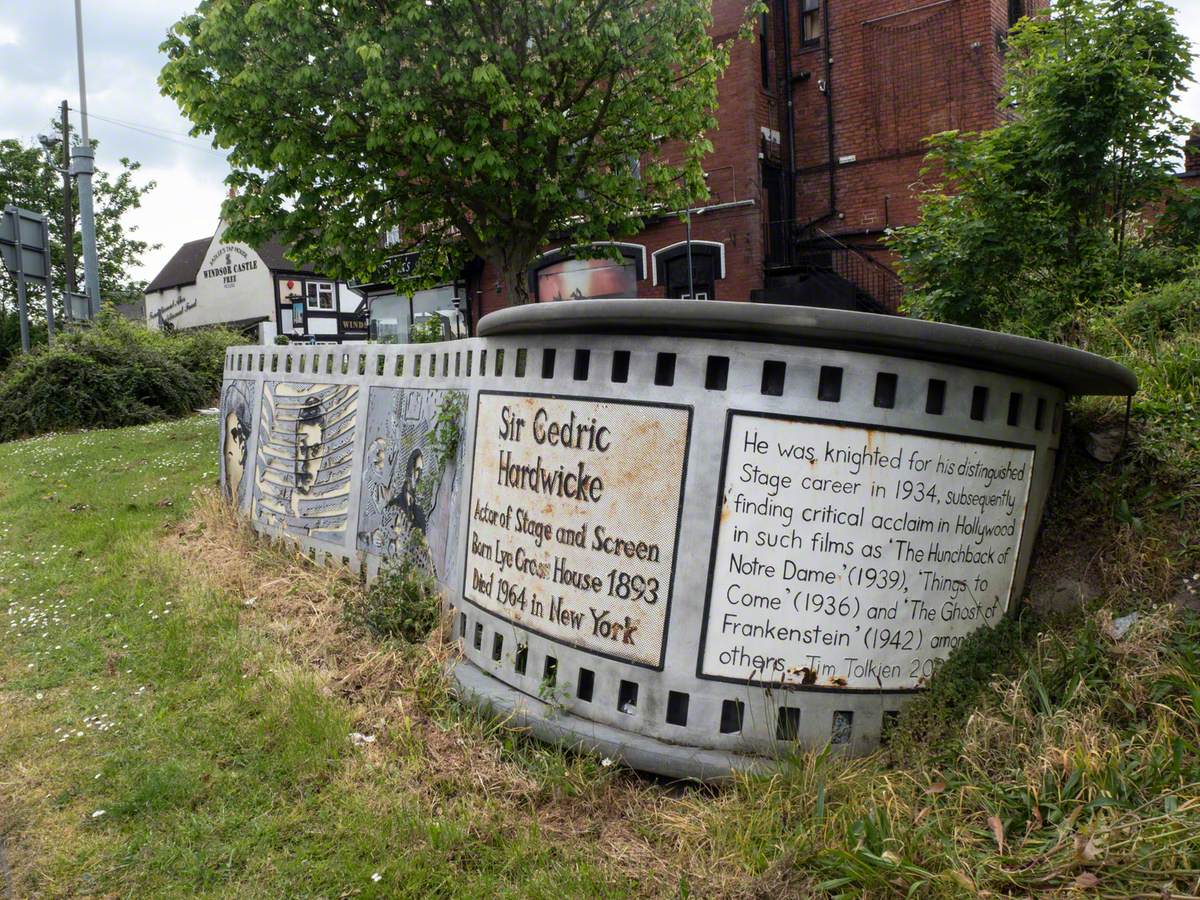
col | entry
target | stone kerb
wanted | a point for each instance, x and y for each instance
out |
(691, 552)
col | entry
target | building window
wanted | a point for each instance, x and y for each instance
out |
(562, 277)
(764, 51)
(810, 22)
(1016, 11)
(318, 295)
(708, 265)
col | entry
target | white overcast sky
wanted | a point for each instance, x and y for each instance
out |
(37, 72)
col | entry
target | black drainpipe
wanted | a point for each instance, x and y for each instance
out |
(828, 50)
(789, 129)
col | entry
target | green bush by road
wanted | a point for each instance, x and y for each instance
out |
(115, 373)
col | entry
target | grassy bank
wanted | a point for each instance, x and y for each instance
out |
(179, 700)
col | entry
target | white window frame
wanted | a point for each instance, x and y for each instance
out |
(639, 249)
(720, 257)
(319, 295)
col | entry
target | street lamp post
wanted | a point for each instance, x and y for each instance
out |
(82, 166)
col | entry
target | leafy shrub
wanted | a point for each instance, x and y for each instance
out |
(403, 603)
(427, 332)
(1165, 311)
(112, 374)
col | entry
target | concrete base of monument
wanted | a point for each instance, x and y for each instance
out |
(637, 751)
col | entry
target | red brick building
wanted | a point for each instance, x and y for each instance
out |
(819, 143)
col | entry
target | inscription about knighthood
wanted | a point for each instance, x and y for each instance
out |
(857, 558)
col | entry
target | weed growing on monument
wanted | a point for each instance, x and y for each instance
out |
(402, 603)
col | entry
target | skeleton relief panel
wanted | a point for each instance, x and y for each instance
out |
(411, 475)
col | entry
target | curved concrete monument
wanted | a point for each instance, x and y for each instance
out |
(688, 534)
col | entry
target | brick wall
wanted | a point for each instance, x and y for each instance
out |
(897, 71)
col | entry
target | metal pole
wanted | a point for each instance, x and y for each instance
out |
(691, 286)
(83, 165)
(49, 283)
(68, 212)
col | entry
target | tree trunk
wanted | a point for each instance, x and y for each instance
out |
(516, 285)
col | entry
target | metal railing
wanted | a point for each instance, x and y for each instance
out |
(867, 274)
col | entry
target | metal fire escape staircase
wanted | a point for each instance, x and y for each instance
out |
(823, 271)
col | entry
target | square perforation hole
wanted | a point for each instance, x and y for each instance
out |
(787, 726)
(885, 390)
(677, 708)
(620, 366)
(583, 362)
(829, 384)
(979, 399)
(664, 369)
(521, 659)
(548, 362)
(478, 640)
(935, 397)
(627, 697)
(586, 686)
(843, 727)
(550, 671)
(774, 372)
(1014, 409)
(891, 718)
(716, 373)
(732, 713)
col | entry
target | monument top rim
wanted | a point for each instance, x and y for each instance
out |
(1076, 371)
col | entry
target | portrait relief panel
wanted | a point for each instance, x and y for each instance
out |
(236, 411)
(304, 458)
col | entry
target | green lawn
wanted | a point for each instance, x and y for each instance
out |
(153, 744)
(177, 701)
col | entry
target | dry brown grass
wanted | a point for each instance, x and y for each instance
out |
(399, 694)
(976, 828)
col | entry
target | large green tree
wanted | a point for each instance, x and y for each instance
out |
(28, 179)
(471, 127)
(1023, 225)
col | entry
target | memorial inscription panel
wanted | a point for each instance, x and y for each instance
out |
(574, 519)
(855, 557)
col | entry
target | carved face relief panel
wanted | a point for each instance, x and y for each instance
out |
(237, 407)
(304, 458)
